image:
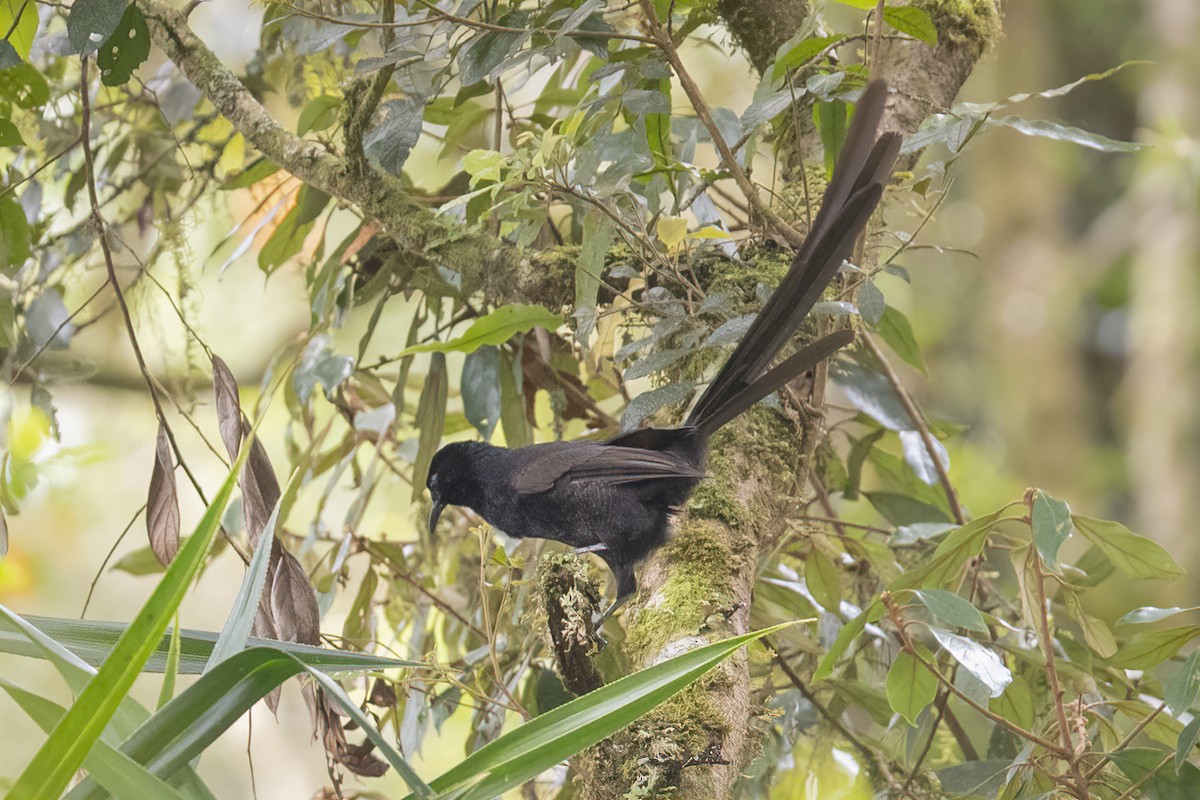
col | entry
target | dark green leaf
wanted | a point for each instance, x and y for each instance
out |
(947, 560)
(259, 169)
(388, 142)
(900, 509)
(480, 385)
(598, 232)
(871, 394)
(90, 22)
(486, 54)
(951, 610)
(14, 234)
(1145, 767)
(9, 135)
(649, 402)
(125, 50)
(1180, 691)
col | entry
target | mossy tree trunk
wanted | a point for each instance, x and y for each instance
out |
(698, 588)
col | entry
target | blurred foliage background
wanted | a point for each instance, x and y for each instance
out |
(1057, 316)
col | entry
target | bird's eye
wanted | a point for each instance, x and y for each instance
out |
(433, 481)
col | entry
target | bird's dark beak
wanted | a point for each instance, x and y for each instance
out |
(434, 513)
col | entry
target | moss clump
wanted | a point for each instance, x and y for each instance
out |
(964, 22)
(765, 265)
(700, 583)
(716, 498)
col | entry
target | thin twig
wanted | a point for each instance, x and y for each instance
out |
(922, 427)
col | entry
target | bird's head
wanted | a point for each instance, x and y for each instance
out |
(452, 480)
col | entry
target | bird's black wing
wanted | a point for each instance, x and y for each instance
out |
(580, 462)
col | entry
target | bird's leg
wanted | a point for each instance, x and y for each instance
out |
(599, 547)
(626, 588)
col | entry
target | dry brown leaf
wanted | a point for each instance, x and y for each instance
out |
(294, 603)
(162, 504)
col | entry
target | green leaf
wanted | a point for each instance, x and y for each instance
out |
(259, 169)
(24, 86)
(1180, 691)
(22, 33)
(112, 769)
(961, 544)
(800, 53)
(486, 54)
(129, 715)
(388, 144)
(1095, 632)
(1017, 704)
(318, 114)
(484, 165)
(598, 232)
(480, 386)
(91, 22)
(125, 50)
(51, 768)
(824, 580)
(9, 135)
(495, 328)
(1143, 765)
(1187, 740)
(914, 21)
(1146, 650)
(894, 328)
(1148, 614)
(556, 735)
(1051, 527)
(288, 237)
(1134, 555)
(846, 636)
(952, 611)
(187, 725)
(976, 659)
(831, 120)
(14, 234)
(1065, 133)
(910, 687)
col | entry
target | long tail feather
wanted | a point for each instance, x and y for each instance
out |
(853, 192)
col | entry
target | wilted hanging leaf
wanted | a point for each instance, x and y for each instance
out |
(125, 50)
(162, 505)
(294, 602)
(229, 408)
(430, 419)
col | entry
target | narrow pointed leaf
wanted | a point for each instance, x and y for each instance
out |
(162, 506)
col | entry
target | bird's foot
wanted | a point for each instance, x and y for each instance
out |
(593, 548)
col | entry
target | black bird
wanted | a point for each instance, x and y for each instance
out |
(616, 498)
